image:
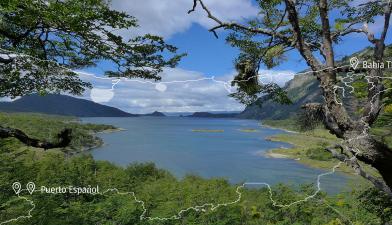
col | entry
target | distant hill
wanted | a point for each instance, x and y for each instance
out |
(213, 115)
(156, 113)
(301, 90)
(304, 88)
(62, 105)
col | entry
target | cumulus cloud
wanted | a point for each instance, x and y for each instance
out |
(275, 76)
(167, 17)
(179, 91)
(100, 95)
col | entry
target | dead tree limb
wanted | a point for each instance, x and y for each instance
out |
(64, 138)
(353, 162)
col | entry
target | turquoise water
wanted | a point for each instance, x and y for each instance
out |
(238, 156)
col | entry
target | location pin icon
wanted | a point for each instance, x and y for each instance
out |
(17, 187)
(354, 62)
(30, 187)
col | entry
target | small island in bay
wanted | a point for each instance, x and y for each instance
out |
(249, 130)
(207, 131)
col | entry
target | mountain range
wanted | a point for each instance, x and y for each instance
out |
(301, 89)
(61, 105)
(65, 105)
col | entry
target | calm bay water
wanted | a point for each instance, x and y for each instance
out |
(171, 144)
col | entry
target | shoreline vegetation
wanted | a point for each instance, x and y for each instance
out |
(111, 130)
(46, 127)
(307, 148)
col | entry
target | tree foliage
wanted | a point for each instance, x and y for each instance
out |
(42, 42)
(249, 87)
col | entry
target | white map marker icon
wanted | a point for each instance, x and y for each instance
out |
(354, 62)
(30, 187)
(17, 187)
(161, 87)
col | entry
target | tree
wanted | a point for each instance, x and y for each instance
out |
(43, 41)
(305, 26)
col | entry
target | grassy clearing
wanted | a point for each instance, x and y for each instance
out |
(287, 124)
(308, 147)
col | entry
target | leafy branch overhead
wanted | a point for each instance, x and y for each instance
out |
(43, 41)
(249, 86)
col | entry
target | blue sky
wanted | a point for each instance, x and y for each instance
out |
(206, 53)
(214, 57)
(207, 56)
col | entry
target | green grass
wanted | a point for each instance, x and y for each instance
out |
(383, 135)
(47, 127)
(287, 124)
(382, 129)
(308, 147)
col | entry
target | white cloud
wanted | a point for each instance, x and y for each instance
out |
(143, 96)
(101, 95)
(186, 91)
(167, 17)
(274, 76)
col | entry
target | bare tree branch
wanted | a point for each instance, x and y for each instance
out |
(348, 31)
(64, 138)
(5, 60)
(221, 24)
(352, 161)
